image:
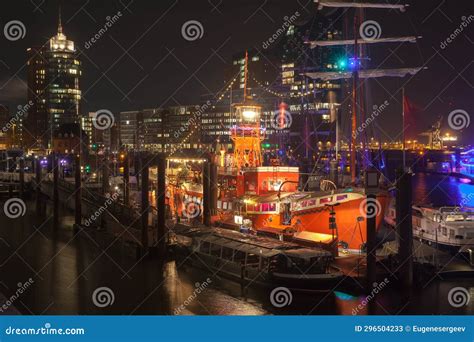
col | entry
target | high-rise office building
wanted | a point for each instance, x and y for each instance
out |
(53, 86)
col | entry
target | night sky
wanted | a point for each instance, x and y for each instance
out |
(143, 61)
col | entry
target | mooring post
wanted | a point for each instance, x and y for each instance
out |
(126, 180)
(136, 168)
(404, 224)
(22, 177)
(372, 210)
(55, 166)
(371, 241)
(77, 192)
(145, 208)
(206, 198)
(105, 174)
(333, 172)
(160, 205)
(214, 187)
(38, 186)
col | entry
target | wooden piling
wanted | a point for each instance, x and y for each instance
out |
(38, 185)
(77, 192)
(405, 230)
(371, 243)
(333, 172)
(214, 188)
(206, 198)
(22, 177)
(160, 205)
(145, 208)
(126, 180)
(55, 166)
(105, 174)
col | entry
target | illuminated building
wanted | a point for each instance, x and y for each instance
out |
(53, 82)
(161, 130)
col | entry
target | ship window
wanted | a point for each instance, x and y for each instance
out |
(453, 218)
(451, 234)
(204, 247)
(227, 253)
(445, 231)
(216, 250)
(219, 204)
(252, 259)
(239, 256)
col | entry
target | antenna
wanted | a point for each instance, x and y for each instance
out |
(60, 27)
(246, 74)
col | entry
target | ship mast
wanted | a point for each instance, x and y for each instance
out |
(246, 74)
(355, 73)
(355, 76)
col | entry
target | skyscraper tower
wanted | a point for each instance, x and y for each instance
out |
(53, 82)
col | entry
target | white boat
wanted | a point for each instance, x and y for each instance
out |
(448, 228)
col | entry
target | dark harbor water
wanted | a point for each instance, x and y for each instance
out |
(67, 269)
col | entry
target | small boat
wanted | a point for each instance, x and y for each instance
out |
(258, 260)
(446, 228)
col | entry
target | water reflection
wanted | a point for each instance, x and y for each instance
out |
(67, 268)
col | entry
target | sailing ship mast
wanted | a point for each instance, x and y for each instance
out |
(357, 74)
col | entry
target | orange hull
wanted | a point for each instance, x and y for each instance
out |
(349, 230)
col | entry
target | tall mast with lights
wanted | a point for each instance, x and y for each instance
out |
(247, 135)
